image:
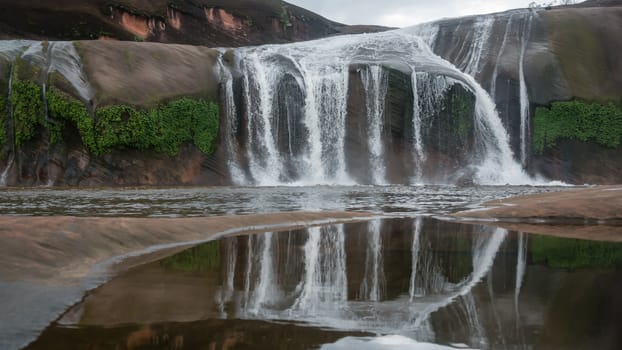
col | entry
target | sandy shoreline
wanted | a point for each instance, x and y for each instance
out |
(587, 213)
(48, 263)
(66, 248)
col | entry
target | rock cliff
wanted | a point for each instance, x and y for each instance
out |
(226, 23)
(531, 58)
(103, 112)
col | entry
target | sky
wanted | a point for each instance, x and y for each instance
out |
(403, 13)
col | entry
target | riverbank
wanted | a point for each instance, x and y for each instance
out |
(47, 263)
(59, 248)
(593, 213)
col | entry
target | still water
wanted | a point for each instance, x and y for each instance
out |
(415, 283)
(181, 202)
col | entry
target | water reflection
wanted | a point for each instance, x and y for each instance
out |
(421, 281)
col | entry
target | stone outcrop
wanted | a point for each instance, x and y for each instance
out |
(115, 73)
(524, 58)
(226, 23)
(566, 53)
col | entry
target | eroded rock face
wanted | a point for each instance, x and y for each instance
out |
(551, 55)
(111, 73)
(523, 58)
(221, 23)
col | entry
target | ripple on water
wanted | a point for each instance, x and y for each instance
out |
(192, 202)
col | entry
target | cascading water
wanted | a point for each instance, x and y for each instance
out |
(495, 72)
(524, 96)
(419, 151)
(481, 33)
(230, 123)
(320, 72)
(262, 151)
(9, 111)
(49, 57)
(375, 81)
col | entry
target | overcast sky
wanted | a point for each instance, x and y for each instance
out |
(403, 13)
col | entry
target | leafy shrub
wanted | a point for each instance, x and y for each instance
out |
(601, 123)
(28, 111)
(163, 129)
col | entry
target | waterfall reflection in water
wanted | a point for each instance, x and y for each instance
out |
(418, 280)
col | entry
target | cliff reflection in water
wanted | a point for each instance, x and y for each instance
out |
(431, 281)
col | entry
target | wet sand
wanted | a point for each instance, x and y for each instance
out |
(587, 213)
(47, 263)
(54, 249)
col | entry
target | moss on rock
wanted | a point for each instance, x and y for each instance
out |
(462, 104)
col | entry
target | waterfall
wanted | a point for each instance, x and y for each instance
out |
(481, 33)
(325, 99)
(230, 123)
(9, 112)
(320, 72)
(419, 152)
(372, 286)
(63, 58)
(330, 86)
(495, 72)
(524, 96)
(412, 290)
(49, 57)
(66, 60)
(262, 151)
(375, 83)
(325, 281)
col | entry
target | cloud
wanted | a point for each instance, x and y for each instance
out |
(402, 13)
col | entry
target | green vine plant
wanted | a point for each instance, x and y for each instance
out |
(163, 129)
(28, 113)
(576, 120)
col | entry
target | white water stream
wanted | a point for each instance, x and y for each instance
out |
(321, 71)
